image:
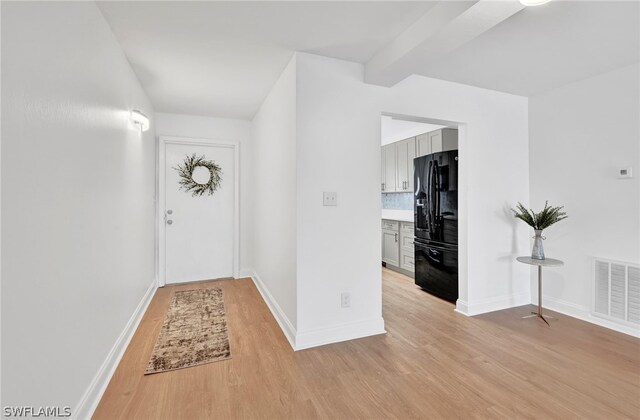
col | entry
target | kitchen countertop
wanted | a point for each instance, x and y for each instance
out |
(400, 215)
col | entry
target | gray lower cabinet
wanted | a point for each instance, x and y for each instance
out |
(406, 247)
(390, 242)
(397, 245)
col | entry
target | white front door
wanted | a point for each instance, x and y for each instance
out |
(196, 230)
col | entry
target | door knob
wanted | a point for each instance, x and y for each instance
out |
(169, 221)
(169, 211)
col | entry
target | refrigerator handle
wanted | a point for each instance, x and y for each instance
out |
(428, 212)
(432, 197)
(437, 191)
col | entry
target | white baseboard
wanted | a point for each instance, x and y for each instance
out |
(317, 337)
(462, 307)
(492, 304)
(338, 333)
(281, 318)
(89, 401)
(584, 313)
(562, 306)
(245, 272)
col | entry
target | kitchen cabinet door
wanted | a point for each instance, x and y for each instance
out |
(435, 138)
(423, 145)
(390, 248)
(406, 246)
(449, 139)
(383, 172)
(437, 141)
(406, 261)
(389, 156)
(411, 154)
(405, 153)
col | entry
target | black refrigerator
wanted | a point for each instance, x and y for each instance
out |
(436, 223)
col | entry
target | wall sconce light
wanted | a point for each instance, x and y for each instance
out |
(139, 119)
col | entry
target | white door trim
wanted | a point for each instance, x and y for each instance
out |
(160, 202)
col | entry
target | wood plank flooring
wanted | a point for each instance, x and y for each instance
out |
(432, 363)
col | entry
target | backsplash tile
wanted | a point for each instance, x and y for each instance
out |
(398, 201)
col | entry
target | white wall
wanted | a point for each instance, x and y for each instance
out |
(274, 201)
(339, 150)
(580, 135)
(339, 247)
(494, 175)
(226, 129)
(77, 199)
(394, 130)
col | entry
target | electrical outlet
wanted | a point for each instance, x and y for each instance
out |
(345, 300)
(330, 198)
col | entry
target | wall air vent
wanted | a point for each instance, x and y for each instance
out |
(616, 291)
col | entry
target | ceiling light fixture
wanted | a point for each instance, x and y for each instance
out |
(534, 2)
(139, 119)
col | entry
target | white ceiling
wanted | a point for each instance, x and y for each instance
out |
(221, 58)
(544, 47)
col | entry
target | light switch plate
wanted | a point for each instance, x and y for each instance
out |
(625, 172)
(345, 300)
(330, 198)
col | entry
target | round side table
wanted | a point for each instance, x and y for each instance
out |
(547, 262)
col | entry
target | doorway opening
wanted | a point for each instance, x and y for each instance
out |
(423, 233)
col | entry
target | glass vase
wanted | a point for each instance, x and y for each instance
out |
(538, 250)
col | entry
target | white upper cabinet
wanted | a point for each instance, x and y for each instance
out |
(397, 158)
(435, 138)
(423, 144)
(382, 167)
(389, 168)
(448, 140)
(437, 141)
(405, 153)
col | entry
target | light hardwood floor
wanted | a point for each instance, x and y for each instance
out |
(432, 363)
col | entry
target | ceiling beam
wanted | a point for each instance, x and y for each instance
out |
(444, 28)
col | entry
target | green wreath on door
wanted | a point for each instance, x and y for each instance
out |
(188, 184)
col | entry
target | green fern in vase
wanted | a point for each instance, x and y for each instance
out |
(548, 216)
